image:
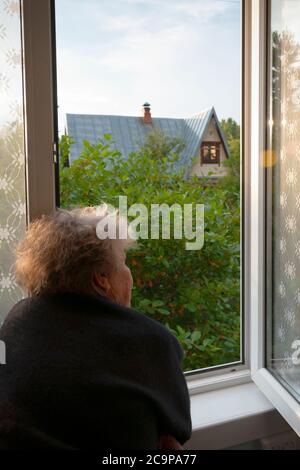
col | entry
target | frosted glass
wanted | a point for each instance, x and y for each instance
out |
(283, 208)
(12, 161)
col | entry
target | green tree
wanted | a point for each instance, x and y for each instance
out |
(160, 146)
(194, 293)
(231, 131)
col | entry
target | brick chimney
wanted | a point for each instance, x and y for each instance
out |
(147, 119)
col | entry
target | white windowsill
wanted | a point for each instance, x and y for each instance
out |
(209, 383)
(232, 415)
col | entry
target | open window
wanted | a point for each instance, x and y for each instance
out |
(114, 143)
(270, 223)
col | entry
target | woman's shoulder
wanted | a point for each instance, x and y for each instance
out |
(97, 313)
(17, 310)
(147, 322)
(139, 325)
(157, 333)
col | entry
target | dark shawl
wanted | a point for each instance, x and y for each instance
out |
(83, 372)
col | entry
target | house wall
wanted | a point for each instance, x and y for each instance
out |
(198, 169)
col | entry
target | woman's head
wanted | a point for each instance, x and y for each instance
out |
(62, 253)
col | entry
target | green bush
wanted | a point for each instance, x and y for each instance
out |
(196, 294)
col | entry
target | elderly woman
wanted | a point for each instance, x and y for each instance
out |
(83, 369)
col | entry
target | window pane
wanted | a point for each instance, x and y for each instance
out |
(129, 52)
(210, 153)
(283, 202)
(205, 150)
(12, 177)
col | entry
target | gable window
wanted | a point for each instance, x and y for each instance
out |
(210, 152)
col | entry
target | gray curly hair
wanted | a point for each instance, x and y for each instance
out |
(62, 252)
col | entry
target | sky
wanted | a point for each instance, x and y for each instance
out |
(182, 56)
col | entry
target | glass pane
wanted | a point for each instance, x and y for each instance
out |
(205, 151)
(170, 53)
(12, 170)
(283, 201)
(213, 152)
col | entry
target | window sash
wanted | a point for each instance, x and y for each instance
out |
(287, 406)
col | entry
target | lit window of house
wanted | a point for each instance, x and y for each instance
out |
(210, 152)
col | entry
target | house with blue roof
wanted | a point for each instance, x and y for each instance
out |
(205, 149)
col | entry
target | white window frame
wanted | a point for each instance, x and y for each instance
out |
(283, 401)
(215, 384)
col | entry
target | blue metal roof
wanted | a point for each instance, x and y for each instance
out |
(129, 132)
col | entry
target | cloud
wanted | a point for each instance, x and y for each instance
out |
(148, 52)
(204, 10)
(121, 23)
(170, 53)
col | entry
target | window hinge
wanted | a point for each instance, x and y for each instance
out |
(54, 152)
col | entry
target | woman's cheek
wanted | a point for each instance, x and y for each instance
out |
(129, 283)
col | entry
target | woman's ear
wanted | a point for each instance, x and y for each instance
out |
(101, 281)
